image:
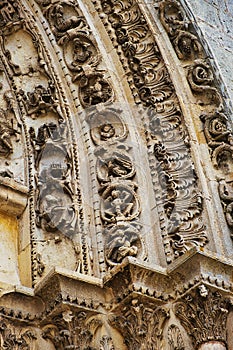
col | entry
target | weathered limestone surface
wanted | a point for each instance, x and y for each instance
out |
(116, 185)
(215, 20)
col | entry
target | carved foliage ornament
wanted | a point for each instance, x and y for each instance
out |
(12, 338)
(141, 326)
(52, 160)
(151, 86)
(175, 339)
(79, 50)
(76, 330)
(203, 314)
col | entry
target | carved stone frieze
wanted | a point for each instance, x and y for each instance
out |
(51, 153)
(152, 87)
(203, 313)
(115, 170)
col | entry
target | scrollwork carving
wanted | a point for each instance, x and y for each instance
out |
(79, 50)
(219, 138)
(180, 202)
(200, 78)
(114, 162)
(106, 125)
(176, 24)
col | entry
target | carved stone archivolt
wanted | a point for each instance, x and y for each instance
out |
(180, 205)
(120, 205)
(80, 53)
(202, 81)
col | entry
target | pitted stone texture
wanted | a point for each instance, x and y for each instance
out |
(215, 20)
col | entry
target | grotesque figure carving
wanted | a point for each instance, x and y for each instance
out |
(122, 240)
(114, 163)
(120, 203)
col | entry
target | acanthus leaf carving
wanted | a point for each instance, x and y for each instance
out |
(141, 325)
(175, 339)
(72, 330)
(180, 205)
(203, 313)
(16, 338)
(219, 139)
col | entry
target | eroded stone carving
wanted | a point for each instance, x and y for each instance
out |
(9, 126)
(72, 330)
(122, 240)
(41, 101)
(176, 24)
(151, 86)
(120, 203)
(200, 78)
(226, 195)
(141, 325)
(79, 50)
(15, 338)
(115, 170)
(203, 314)
(219, 138)
(175, 339)
(114, 162)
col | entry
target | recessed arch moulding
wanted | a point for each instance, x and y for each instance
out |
(116, 179)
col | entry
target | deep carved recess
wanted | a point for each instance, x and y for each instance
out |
(180, 205)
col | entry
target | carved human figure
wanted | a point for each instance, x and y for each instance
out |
(61, 23)
(7, 130)
(81, 52)
(121, 245)
(54, 206)
(119, 205)
(226, 195)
